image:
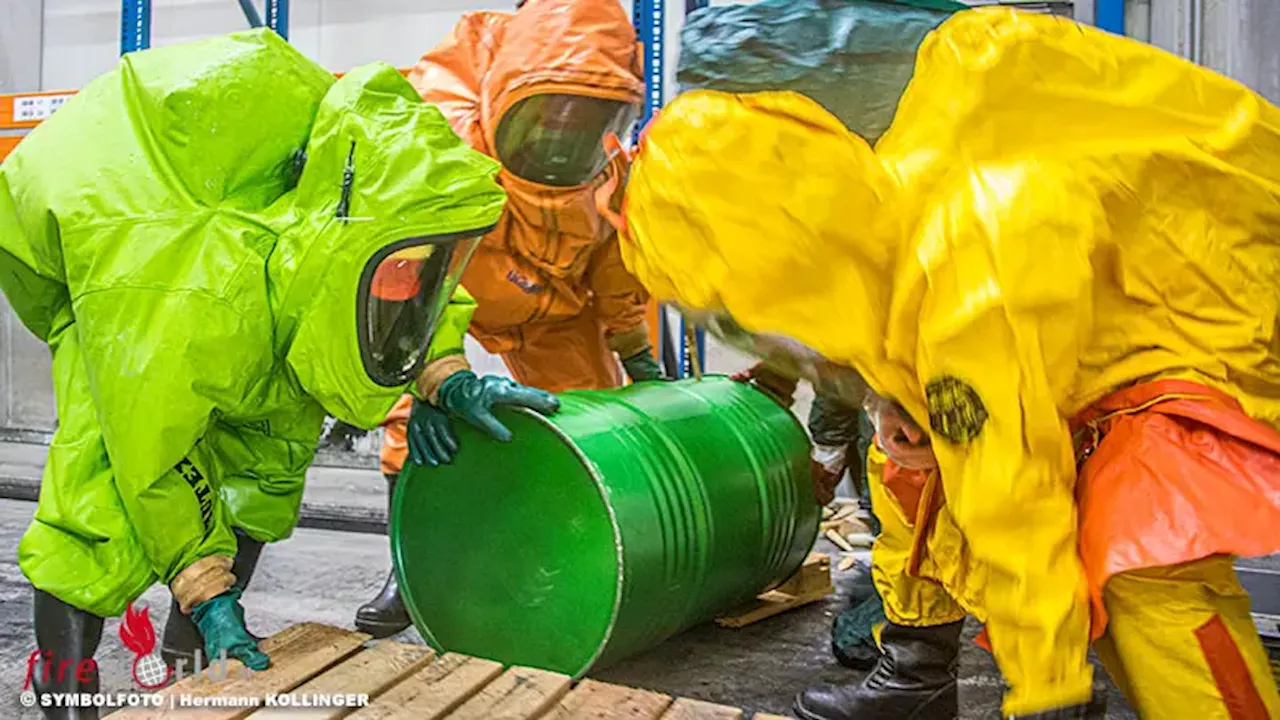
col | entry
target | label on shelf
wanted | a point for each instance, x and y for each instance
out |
(34, 108)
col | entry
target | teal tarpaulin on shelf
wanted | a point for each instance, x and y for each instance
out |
(854, 57)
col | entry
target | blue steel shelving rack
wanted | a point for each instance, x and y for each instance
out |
(650, 18)
(135, 21)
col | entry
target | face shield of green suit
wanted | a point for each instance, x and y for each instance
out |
(244, 302)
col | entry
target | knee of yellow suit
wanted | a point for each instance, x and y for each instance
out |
(1181, 643)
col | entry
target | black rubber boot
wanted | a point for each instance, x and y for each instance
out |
(915, 679)
(385, 615)
(66, 638)
(181, 636)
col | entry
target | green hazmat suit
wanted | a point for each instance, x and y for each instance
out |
(191, 234)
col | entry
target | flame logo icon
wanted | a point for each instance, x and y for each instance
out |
(138, 634)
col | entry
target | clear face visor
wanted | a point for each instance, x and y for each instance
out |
(785, 355)
(558, 140)
(403, 293)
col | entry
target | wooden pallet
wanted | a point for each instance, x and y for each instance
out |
(409, 682)
(810, 583)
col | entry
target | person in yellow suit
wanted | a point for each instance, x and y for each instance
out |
(537, 90)
(1062, 263)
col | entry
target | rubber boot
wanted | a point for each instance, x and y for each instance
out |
(385, 615)
(915, 679)
(66, 638)
(181, 636)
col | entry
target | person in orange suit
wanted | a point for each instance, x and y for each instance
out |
(538, 90)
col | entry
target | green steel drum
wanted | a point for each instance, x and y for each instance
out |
(598, 532)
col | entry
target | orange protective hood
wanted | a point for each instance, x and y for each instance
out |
(576, 47)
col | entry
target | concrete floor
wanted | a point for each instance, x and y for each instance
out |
(322, 576)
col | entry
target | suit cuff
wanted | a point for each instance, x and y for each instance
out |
(427, 387)
(203, 579)
(630, 343)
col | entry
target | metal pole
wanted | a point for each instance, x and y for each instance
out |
(278, 17)
(700, 337)
(135, 25)
(1109, 15)
(1195, 31)
(685, 369)
(251, 13)
(649, 17)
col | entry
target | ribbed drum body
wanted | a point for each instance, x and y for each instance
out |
(628, 516)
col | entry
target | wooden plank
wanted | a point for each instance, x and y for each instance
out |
(521, 693)
(433, 692)
(686, 709)
(770, 604)
(593, 700)
(814, 574)
(370, 672)
(811, 582)
(297, 653)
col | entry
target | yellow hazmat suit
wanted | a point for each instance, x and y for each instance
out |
(1055, 214)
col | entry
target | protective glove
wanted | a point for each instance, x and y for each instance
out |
(781, 387)
(463, 395)
(824, 481)
(430, 439)
(220, 620)
(642, 366)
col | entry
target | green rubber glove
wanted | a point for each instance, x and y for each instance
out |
(221, 623)
(471, 398)
(430, 438)
(642, 366)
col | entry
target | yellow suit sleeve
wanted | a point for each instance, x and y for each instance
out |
(1005, 263)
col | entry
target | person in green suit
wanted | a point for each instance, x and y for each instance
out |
(221, 244)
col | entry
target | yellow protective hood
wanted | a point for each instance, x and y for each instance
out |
(827, 230)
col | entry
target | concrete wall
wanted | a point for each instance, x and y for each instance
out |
(1238, 38)
(26, 393)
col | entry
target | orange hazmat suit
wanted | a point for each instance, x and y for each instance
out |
(553, 297)
(1062, 260)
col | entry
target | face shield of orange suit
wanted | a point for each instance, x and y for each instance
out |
(538, 89)
(558, 140)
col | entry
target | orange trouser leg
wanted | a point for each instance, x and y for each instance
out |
(569, 355)
(395, 445)
(1181, 643)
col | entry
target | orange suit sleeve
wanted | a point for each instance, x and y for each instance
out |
(620, 299)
